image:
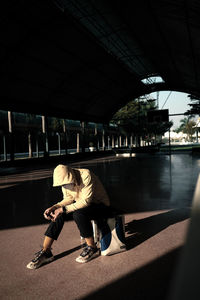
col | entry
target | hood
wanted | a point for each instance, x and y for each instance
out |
(63, 175)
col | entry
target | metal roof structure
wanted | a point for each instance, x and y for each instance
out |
(86, 59)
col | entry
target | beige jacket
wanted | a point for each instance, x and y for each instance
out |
(88, 188)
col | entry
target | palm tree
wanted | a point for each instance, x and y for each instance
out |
(187, 126)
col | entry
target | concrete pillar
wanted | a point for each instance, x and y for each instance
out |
(30, 150)
(131, 141)
(4, 148)
(120, 141)
(11, 137)
(108, 142)
(37, 147)
(45, 135)
(113, 141)
(78, 142)
(96, 137)
(83, 137)
(136, 141)
(65, 136)
(126, 141)
(103, 139)
(59, 143)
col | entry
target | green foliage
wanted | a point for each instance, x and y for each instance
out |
(187, 126)
(133, 110)
(132, 119)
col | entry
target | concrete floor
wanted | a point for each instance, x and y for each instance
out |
(154, 191)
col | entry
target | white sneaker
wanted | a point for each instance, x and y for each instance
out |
(42, 257)
(87, 254)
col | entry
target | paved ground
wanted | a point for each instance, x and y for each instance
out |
(156, 200)
(153, 247)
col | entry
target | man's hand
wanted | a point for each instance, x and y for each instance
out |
(57, 212)
(48, 214)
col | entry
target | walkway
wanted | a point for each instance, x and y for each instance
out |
(155, 193)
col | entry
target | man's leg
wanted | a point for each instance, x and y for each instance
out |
(48, 242)
(53, 231)
(45, 255)
(83, 219)
(90, 241)
(83, 223)
(55, 228)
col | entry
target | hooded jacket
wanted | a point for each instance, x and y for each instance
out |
(87, 188)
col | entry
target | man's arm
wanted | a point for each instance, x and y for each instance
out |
(48, 213)
(86, 194)
(67, 199)
(54, 211)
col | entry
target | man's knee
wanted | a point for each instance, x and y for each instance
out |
(81, 215)
(77, 215)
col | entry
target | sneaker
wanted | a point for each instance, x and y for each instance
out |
(87, 254)
(42, 257)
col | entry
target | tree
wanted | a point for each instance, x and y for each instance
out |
(132, 119)
(187, 126)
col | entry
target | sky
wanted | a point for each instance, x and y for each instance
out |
(176, 103)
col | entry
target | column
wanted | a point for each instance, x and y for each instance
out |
(4, 147)
(78, 142)
(65, 136)
(96, 137)
(126, 141)
(131, 141)
(103, 139)
(45, 135)
(59, 143)
(83, 139)
(113, 141)
(120, 141)
(11, 137)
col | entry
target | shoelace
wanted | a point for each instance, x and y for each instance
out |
(86, 251)
(38, 255)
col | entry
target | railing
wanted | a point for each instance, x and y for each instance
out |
(24, 155)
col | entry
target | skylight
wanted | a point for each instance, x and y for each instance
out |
(152, 80)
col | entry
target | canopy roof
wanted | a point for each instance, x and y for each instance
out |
(85, 59)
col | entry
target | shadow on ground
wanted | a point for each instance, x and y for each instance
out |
(149, 282)
(143, 229)
(67, 252)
